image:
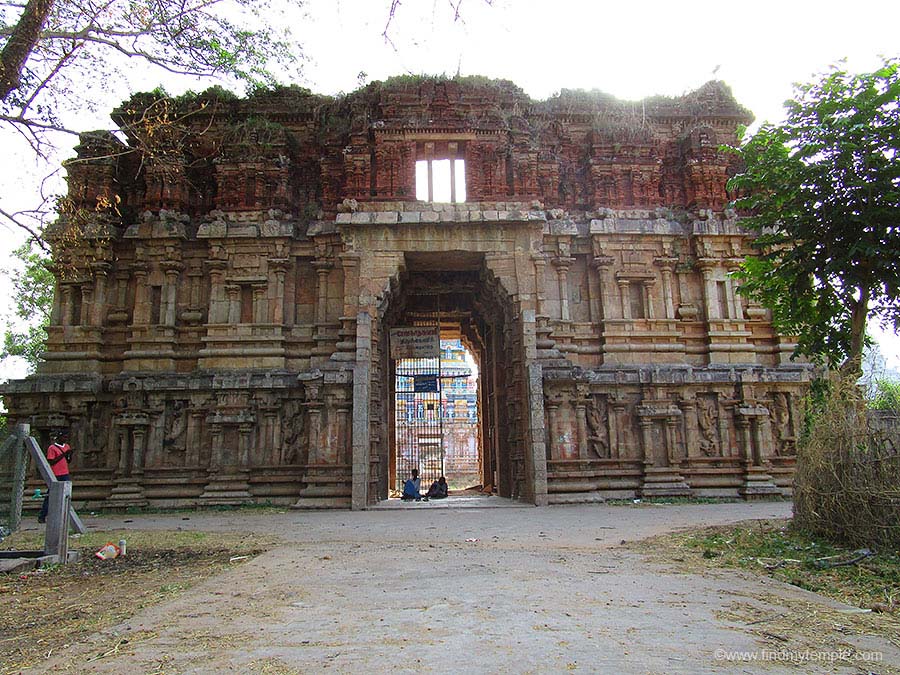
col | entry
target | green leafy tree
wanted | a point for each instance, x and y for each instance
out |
(822, 191)
(33, 284)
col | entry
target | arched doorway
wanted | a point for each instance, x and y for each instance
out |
(458, 296)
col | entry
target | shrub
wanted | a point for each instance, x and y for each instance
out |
(887, 396)
(847, 482)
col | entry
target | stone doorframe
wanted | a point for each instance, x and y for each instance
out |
(532, 419)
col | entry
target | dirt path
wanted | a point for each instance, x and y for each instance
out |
(541, 590)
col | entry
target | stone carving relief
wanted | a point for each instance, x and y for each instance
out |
(294, 434)
(708, 424)
(598, 430)
(175, 433)
(785, 442)
(89, 437)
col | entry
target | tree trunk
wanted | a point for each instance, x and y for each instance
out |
(18, 48)
(859, 314)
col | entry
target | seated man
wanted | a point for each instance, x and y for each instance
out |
(438, 489)
(411, 488)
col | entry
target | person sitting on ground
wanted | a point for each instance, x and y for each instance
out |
(438, 489)
(411, 488)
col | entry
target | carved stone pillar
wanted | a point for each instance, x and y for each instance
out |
(56, 310)
(616, 413)
(140, 443)
(278, 266)
(581, 402)
(552, 410)
(194, 279)
(233, 291)
(87, 303)
(141, 315)
(603, 265)
(314, 407)
(121, 300)
(625, 297)
(731, 298)
(273, 434)
(342, 410)
(746, 440)
(540, 263)
(216, 438)
(764, 438)
(562, 273)
(350, 265)
(667, 267)
(647, 439)
(101, 273)
(670, 424)
(710, 297)
(245, 441)
(67, 304)
(691, 431)
(646, 285)
(260, 307)
(192, 440)
(323, 269)
(123, 442)
(172, 270)
(219, 308)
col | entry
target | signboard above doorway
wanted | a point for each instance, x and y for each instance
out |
(416, 342)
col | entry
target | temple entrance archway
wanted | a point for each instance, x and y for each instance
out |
(459, 296)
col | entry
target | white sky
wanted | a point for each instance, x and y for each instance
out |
(627, 49)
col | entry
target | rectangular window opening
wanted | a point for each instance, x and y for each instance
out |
(441, 180)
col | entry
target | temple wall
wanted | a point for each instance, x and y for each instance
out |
(221, 337)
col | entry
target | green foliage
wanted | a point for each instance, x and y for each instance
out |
(823, 193)
(803, 559)
(32, 299)
(886, 396)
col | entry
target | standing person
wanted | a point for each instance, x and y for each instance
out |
(411, 487)
(59, 454)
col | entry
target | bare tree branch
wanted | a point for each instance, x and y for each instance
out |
(22, 40)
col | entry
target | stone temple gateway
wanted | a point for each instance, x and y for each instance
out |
(219, 329)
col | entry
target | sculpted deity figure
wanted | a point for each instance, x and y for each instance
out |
(294, 433)
(781, 420)
(707, 419)
(176, 429)
(596, 420)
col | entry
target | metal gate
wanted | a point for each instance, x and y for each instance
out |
(419, 420)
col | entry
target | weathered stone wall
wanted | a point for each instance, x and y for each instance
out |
(219, 335)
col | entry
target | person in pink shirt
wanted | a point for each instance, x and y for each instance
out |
(59, 454)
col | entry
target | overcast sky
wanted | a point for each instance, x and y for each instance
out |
(628, 49)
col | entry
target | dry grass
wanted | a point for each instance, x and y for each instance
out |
(46, 610)
(847, 481)
(776, 550)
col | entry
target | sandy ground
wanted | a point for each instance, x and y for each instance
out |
(407, 590)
